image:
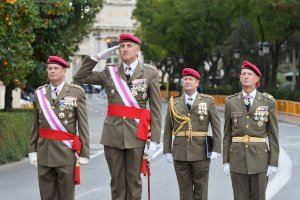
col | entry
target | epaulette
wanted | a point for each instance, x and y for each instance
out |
(205, 95)
(76, 86)
(150, 66)
(41, 86)
(268, 96)
(232, 95)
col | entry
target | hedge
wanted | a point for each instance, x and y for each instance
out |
(15, 129)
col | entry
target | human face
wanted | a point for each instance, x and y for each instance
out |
(128, 52)
(190, 84)
(56, 73)
(248, 78)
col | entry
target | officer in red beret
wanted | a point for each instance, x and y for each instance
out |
(129, 86)
(187, 120)
(250, 143)
(56, 147)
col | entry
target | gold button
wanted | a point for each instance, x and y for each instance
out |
(53, 107)
(246, 145)
(124, 117)
(247, 126)
(189, 114)
(266, 150)
(248, 117)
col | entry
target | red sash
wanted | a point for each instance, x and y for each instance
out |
(143, 115)
(51, 134)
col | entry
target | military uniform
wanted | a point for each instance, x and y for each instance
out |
(250, 144)
(119, 135)
(190, 160)
(55, 160)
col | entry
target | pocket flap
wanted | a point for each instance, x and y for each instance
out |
(176, 140)
(109, 120)
(236, 114)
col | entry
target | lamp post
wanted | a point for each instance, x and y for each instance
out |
(263, 51)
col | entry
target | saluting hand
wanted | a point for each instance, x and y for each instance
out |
(106, 53)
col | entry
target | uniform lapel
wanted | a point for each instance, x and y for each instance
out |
(62, 93)
(242, 103)
(121, 72)
(256, 102)
(183, 103)
(196, 101)
(138, 72)
(49, 94)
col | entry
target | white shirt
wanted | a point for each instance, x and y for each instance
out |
(193, 97)
(58, 89)
(251, 95)
(132, 66)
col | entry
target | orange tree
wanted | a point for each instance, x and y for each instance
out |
(17, 21)
(31, 30)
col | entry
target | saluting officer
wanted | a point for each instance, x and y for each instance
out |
(187, 120)
(129, 86)
(60, 137)
(250, 144)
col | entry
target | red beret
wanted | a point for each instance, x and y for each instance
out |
(57, 60)
(249, 65)
(125, 37)
(190, 72)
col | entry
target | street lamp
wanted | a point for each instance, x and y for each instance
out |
(266, 47)
(236, 54)
(181, 59)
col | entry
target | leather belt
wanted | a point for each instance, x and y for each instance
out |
(248, 139)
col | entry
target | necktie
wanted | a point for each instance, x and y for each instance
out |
(189, 103)
(127, 72)
(247, 102)
(55, 94)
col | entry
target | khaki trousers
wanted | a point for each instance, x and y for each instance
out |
(192, 178)
(249, 186)
(125, 169)
(56, 183)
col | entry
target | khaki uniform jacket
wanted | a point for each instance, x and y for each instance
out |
(122, 132)
(183, 149)
(254, 157)
(55, 153)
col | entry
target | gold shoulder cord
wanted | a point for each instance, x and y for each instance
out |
(179, 118)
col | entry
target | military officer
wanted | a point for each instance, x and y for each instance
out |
(187, 120)
(250, 144)
(55, 143)
(129, 86)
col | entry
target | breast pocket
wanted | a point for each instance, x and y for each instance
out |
(237, 120)
(110, 90)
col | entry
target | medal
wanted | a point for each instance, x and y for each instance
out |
(66, 122)
(70, 115)
(260, 123)
(61, 115)
(201, 117)
(235, 120)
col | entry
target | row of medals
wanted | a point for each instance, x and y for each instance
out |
(68, 103)
(260, 114)
(202, 110)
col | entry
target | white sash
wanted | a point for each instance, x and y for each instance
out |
(50, 116)
(123, 88)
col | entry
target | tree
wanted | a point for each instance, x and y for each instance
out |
(189, 28)
(17, 19)
(273, 21)
(32, 30)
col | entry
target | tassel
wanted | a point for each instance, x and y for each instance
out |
(76, 146)
(77, 173)
(145, 169)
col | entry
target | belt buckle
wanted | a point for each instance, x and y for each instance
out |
(246, 139)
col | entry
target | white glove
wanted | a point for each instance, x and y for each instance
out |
(214, 155)
(33, 158)
(227, 168)
(83, 161)
(150, 149)
(169, 157)
(271, 170)
(106, 53)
